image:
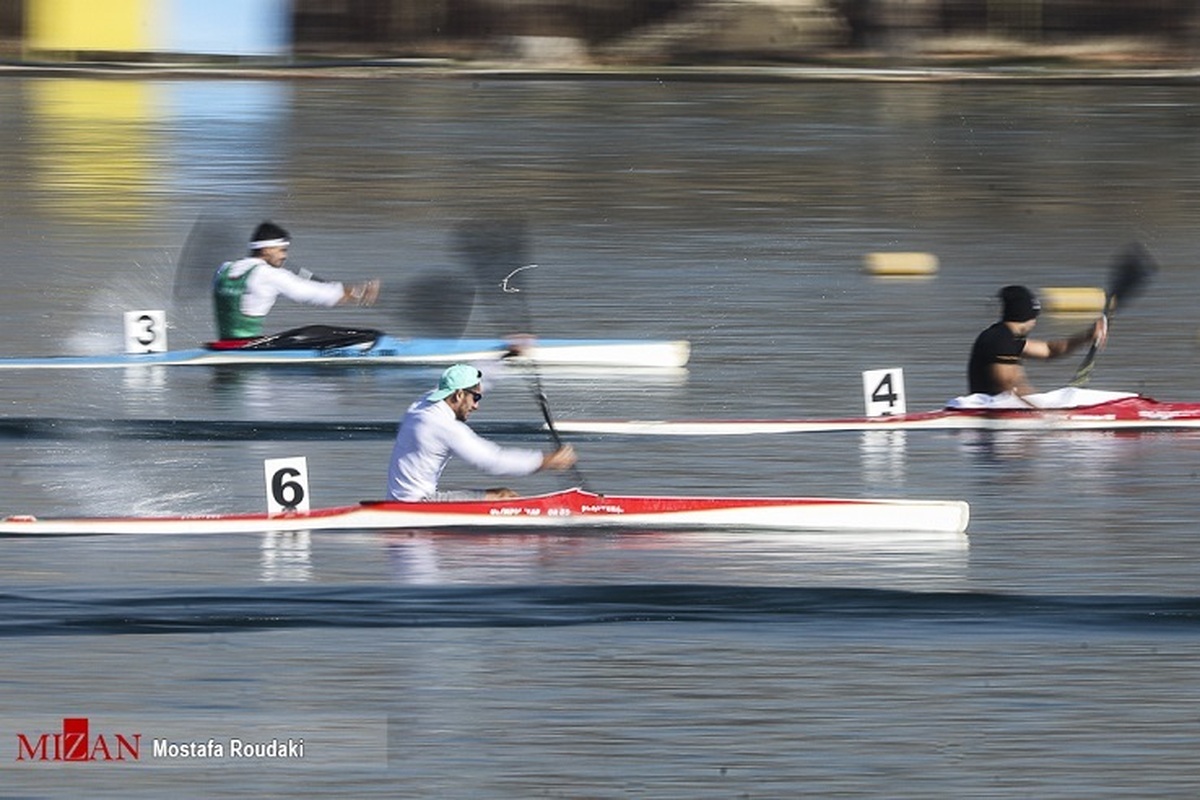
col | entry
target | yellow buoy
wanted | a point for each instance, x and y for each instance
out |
(903, 264)
(1072, 299)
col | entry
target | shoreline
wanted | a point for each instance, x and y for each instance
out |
(377, 68)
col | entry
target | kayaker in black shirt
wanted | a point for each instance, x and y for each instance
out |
(995, 365)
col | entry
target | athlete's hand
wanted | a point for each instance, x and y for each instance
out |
(364, 294)
(1100, 332)
(562, 458)
(518, 344)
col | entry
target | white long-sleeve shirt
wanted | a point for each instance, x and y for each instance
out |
(429, 435)
(264, 286)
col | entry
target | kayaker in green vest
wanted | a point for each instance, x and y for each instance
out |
(245, 290)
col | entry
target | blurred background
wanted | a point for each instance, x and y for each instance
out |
(602, 32)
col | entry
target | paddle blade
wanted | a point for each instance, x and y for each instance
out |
(434, 305)
(1130, 273)
(495, 250)
(492, 246)
(211, 242)
(1132, 270)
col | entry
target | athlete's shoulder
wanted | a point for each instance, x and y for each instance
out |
(241, 266)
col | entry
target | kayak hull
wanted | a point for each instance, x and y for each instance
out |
(1144, 415)
(389, 350)
(1133, 413)
(571, 509)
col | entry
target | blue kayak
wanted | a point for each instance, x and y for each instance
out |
(389, 350)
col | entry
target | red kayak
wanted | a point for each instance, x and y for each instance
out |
(1116, 411)
(573, 508)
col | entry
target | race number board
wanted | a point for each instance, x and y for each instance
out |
(883, 392)
(287, 485)
(145, 332)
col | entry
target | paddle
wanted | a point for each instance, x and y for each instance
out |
(435, 304)
(212, 240)
(1130, 273)
(496, 250)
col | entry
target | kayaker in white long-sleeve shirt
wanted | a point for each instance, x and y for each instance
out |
(245, 290)
(435, 428)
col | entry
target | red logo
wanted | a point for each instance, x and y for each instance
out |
(75, 743)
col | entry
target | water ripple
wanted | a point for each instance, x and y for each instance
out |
(258, 608)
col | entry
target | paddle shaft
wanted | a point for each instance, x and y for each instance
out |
(1083, 372)
(544, 404)
(497, 252)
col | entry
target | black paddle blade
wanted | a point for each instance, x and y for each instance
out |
(1132, 271)
(435, 305)
(495, 250)
(211, 242)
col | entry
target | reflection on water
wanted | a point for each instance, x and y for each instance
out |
(884, 457)
(929, 562)
(1084, 452)
(100, 153)
(96, 155)
(137, 382)
(286, 557)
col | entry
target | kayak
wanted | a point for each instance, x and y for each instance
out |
(1127, 413)
(390, 350)
(570, 509)
(211, 430)
(1096, 411)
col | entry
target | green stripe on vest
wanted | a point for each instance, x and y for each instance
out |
(227, 304)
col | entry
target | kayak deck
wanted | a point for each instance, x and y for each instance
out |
(573, 508)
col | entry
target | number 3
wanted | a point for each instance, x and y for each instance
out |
(145, 332)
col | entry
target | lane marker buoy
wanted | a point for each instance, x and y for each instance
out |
(1072, 299)
(901, 263)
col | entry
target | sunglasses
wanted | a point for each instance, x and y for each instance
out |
(476, 395)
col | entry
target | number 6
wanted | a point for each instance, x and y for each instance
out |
(287, 485)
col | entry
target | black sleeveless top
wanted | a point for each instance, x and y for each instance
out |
(996, 345)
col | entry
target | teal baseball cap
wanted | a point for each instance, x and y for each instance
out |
(460, 376)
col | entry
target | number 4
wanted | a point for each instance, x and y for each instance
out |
(883, 392)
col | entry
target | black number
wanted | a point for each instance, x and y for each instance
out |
(885, 392)
(148, 335)
(288, 493)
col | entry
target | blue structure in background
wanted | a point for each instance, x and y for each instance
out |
(227, 27)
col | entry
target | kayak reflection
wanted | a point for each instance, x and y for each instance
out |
(929, 562)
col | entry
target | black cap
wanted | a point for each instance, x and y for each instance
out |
(1019, 304)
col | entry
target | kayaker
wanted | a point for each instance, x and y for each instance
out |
(435, 428)
(245, 290)
(995, 365)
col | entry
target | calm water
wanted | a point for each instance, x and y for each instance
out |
(1051, 653)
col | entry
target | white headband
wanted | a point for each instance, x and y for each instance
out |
(261, 243)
